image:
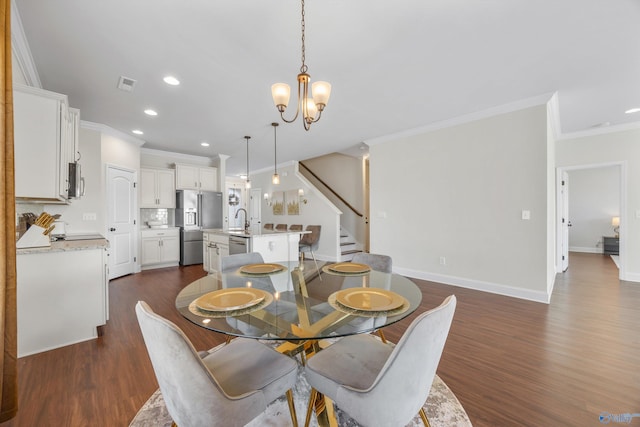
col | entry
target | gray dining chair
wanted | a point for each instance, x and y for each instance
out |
(309, 242)
(235, 261)
(378, 384)
(228, 386)
(382, 263)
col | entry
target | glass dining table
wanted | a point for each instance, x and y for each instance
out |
(299, 305)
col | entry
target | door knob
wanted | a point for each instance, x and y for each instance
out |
(112, 229)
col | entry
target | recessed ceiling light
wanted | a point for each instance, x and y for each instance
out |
(150, 112)
(137, 132)
(633, 110)
(170, 80)
(204, 144)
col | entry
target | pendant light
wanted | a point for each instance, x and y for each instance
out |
(276, 178)
(311, 107)
(248, 182)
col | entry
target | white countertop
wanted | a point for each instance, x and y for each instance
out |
(62, 245)
(251, 234)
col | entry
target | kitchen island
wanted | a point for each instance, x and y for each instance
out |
(62, 294)
(272, 245)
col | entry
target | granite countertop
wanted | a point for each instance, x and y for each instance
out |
(63, 246)
(248, 234)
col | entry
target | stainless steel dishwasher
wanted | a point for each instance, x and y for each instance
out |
(239, 245)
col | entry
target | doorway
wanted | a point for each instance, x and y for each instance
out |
(121, 220)
(600, 195)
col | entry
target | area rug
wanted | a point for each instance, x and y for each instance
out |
(442, 408)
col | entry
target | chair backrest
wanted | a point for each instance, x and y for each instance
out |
(268, 226)
(295, 227)
(405, 380)
(281, 227)
(311, 239)
(233, 262)
(191, 393)
(382, 263)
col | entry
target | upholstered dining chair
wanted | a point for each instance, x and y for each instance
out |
(309, 242)
(229, 386)
(378, 384)
(235, 261)
(268, 226)
(382, 263)
(281, 227)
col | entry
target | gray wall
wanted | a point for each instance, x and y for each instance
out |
(447, 205)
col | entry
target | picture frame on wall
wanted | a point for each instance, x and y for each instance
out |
(278, 202)
(293, 203)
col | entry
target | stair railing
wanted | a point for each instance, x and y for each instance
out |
(328, 187)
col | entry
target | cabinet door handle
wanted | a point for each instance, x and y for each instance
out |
(112, 229)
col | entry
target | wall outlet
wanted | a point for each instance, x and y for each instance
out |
(89, 216)
(443, 261)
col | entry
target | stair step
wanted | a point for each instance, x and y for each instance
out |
(353, 251)
(347, 243)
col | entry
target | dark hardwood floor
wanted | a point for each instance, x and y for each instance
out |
(510, 362)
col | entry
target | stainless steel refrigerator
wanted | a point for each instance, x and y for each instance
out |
(195, 211)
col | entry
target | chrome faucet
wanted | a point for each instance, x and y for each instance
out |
(246, 223)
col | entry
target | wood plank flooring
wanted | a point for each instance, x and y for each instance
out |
(510, 362)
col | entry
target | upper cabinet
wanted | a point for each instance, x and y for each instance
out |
(190, 177)
(45, 142)
(157, 188)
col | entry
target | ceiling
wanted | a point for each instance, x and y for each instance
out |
(393, 65)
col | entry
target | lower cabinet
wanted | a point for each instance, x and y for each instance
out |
(214, 247)
(62, 298)
(160, 248)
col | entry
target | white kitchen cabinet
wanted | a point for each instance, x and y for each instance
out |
(160, 248)
(62, 298)
(190, 177)
(43, 135)
(157, 188)
(215, 247)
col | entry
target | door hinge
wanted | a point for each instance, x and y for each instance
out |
(136, 259)
(563, 257)
(135, 184)
(134, 222)
(563, 182)
(563, 220)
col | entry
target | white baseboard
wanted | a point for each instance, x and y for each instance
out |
(587, 250)
(494, 288)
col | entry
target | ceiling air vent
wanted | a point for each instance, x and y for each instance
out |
(126, 84)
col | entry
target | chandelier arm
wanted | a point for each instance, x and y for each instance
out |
(297, 108)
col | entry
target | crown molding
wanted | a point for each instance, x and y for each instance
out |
(99, 127)
(467, 118)
(21, 50)
(599, 131)
(179, 156)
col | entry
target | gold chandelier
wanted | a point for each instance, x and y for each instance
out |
(311, 107)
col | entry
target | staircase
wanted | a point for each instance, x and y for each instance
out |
(348, 246)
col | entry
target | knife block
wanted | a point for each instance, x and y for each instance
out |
(33, 238)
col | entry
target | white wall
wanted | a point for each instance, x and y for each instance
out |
(458, 193)
(594, 198)
(317, 211)
(616, 147)
(345, 175)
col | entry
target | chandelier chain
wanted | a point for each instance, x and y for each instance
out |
(303, 68)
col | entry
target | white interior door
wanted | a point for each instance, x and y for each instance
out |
(121, 221)
(255, 209)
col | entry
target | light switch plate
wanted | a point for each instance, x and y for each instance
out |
(526, 214)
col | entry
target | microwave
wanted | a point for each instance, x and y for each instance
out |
(76, 181)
